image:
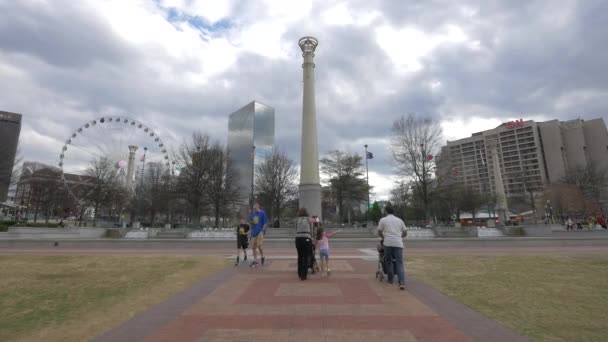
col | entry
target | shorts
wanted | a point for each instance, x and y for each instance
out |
(242, 242)
(324, 254)
(258, 240)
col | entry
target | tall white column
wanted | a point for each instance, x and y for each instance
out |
(310, 186)
(502, 208)
(131, 167)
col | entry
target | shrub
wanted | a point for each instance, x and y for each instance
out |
(8, 223)
(113, 233)
(518, 231)
(5, 224)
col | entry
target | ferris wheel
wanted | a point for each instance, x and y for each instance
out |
(126, 145)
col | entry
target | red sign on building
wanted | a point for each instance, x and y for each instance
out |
(515, 124)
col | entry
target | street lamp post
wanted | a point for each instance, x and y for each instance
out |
(141, 189)
(367, 175)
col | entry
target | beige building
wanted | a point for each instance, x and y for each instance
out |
(531, 154)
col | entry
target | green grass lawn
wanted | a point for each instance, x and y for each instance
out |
(545, 298)
(73, 298)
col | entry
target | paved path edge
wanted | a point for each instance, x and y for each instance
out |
(469, 321)
(137, 328)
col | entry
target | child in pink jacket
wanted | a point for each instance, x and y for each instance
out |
(323, 243)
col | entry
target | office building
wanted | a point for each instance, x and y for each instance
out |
(250, 139)
(10, 128)
(531, 154)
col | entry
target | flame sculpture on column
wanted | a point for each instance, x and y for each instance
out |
(310, 186)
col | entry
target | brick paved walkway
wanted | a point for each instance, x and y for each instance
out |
(271, 304)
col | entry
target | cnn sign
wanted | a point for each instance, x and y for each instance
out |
(515, 124)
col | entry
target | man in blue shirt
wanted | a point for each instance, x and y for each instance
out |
(259, 223)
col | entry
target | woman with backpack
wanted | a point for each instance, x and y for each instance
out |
(303, 242)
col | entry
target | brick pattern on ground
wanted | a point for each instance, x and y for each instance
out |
(271, 304)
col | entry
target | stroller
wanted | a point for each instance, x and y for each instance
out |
(382, 266)
(314, 267)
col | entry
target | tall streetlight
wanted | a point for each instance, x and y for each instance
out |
(141, 188)
(368, 155)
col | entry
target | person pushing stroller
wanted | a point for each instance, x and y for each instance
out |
(391, 230)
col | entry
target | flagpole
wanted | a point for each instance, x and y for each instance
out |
(367, 174)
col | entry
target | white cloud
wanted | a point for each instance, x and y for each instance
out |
(342, 15)
(462, 127)
(382, 185)
(406, 46)
(213, 11)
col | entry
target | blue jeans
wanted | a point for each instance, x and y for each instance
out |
(395, 253)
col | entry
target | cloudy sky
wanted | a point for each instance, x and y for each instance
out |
(184, 65)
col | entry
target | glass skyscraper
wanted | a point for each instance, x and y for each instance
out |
(10, 128)
(250, 138)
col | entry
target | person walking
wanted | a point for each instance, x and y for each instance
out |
(392, 230)
(259, 222)
(242, 240)
(303, 242)
(601, 220)
(323, 241)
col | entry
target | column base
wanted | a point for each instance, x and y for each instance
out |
(310, 198)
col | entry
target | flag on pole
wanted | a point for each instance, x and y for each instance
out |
(370, 155)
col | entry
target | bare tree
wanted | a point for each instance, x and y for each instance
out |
(156, 190)
(40, 190)
(105, 187)
(470, 200)
(414, 144)
(447, 201)
(400, 199)
(192, 181)
(207, 177)
(222, 179)
(345, 174)
(568, 199)
(275, 181)
(523, 191)
(592, 180)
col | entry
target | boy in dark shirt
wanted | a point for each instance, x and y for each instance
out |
(242, 240)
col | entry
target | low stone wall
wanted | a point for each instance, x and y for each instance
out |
(141, 234)
(420, 233)
(489, 233)
(212, 235)
(55, 233)
(544, 230)
(136, 234)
